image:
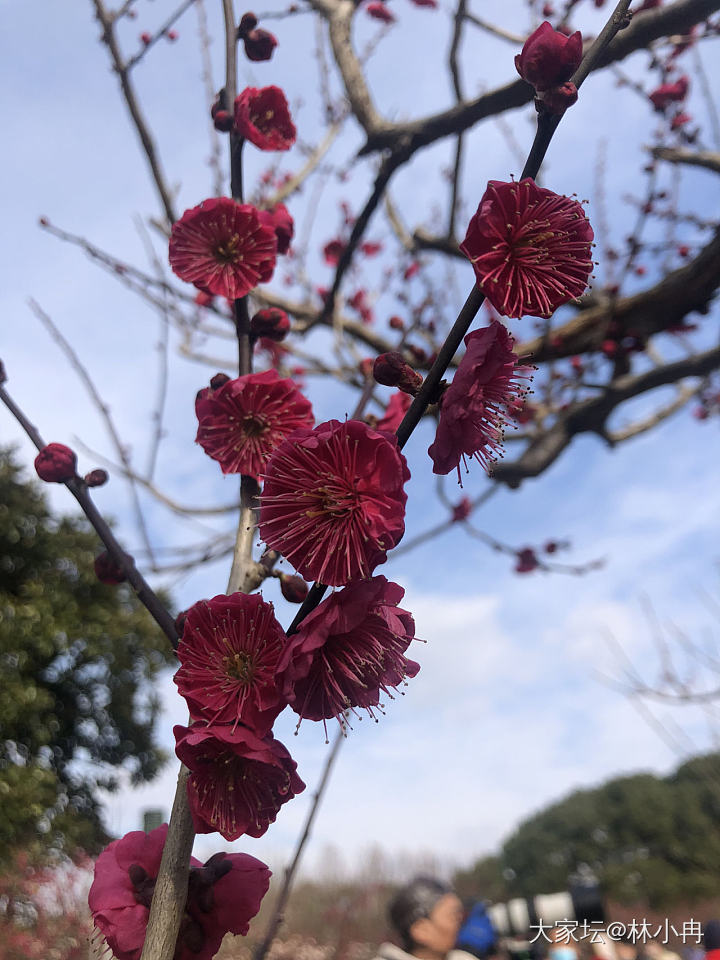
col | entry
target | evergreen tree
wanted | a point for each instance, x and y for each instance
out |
(78, 663)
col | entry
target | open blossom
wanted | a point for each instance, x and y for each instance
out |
(262, 116)
(238, 781)
(477, 403)
(333, 502)
(349, 652)
(548, 57)
(222, 247)
(530, 248)
(223, 896)
(228, 660)
(244, 420)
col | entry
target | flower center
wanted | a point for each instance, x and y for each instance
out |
(240, 666)
(263, 121)
(254, 426)
(228, 252)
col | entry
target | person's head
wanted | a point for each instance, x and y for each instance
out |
(427, 915)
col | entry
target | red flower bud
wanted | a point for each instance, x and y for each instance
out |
(293, 588)
(203, 299)
(108, 571)
(146, 38)
(396, 323)
(96, 478)
(526, 561)
(668, 93)
(219, 380)
(379, 11)
(172, 35)
(549, 58)
(271, 323)
(391, 370)
(223, 121)
(259, 45)
(558, 99)
(461, 510)
(282, 223)
(56, 463)
(248, 22)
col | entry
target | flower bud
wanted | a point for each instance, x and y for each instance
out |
(108, 571)
(396, 323)
(526, 561)
(391, 370)
(223, 121)
(461, 510)
(96, 478)
(548, 57)
(282, 223)
(219, 380)
(293, 588)
(558, 99)
(146, 38)
(272, 323)
(259, 45)
(248, 22)
(56, 463)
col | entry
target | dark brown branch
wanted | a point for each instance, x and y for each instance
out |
(79, 490)
(690, 287)
(592, 415)
(652, 25)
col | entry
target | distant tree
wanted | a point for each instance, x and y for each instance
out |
(78, 659)
(645, 838)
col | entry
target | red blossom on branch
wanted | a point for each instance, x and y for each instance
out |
(333, 502)
(228, 659)
(262, 116)
(242, 422)
(548, 57)
(332, 251)
(530, 248)
(108, 571)
(478, 402)
(223, 896)
(379, 11)
(349, 652)
(238, 781)
(668, 93)
(222, 247)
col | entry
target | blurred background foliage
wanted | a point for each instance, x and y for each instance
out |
(79, 659)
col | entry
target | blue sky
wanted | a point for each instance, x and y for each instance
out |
(511, 708)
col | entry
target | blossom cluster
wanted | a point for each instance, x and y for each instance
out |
(331, 503)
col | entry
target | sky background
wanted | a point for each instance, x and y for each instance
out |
(517, 700)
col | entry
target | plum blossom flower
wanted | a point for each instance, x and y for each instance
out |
(397, 407)
(262, 116)
(349, 652)
(530, 248)
(279, 220)
(333, 502)
(228, 657)
(222, 247)
(476, 405)
(244, 420)
(224, 894)
(238, 781)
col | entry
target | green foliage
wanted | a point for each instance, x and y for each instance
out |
(78, 659)
(645, 838)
